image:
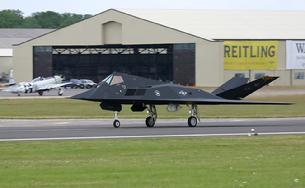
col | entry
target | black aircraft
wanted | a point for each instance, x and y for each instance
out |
(144, 94)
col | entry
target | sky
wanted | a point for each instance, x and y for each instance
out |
(96, 6)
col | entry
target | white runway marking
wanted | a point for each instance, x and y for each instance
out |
(145, 136)
(61, 123)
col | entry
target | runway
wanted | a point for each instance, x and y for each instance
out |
(62, 129)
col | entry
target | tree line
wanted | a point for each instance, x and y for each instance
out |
(48, 19)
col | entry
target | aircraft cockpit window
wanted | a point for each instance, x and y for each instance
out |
(108, 79)
(117, 80)
(38, 79)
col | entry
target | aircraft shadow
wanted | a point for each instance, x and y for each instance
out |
(201, 126)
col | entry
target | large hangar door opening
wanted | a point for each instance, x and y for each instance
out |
(184, 64)
(42, 61)
(165, 62)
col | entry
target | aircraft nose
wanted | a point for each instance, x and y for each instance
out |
(87, 95)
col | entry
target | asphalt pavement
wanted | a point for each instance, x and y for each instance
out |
(62, 129)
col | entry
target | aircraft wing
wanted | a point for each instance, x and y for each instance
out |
(51, 86)
(91, 95)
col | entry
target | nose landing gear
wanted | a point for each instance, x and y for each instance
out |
(116, 122)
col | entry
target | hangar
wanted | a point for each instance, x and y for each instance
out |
(191, 47)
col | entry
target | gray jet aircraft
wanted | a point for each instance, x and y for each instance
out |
(144, 94)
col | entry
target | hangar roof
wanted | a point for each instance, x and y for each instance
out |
(11, 36)
(229, 24)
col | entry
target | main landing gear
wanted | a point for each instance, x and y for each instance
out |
(151, 119)
(194, 118)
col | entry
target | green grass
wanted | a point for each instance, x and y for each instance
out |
(262, 162)
(68, 108)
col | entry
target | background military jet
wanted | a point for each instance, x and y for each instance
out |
(144, 94)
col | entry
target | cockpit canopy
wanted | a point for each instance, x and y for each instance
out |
(38, 79)
(113, 79)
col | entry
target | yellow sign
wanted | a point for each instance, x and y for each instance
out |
(251, 55)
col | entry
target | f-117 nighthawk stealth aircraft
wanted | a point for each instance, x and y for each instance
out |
(144, 94)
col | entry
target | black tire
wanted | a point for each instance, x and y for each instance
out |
(88, 86)
(40, 93)
(60, 92)
(150, 121)
(192, 121)
(116, 123)
(82, 86)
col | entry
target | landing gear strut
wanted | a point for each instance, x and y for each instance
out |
(194, 118)
(116, 122)
(60, 91)
(151, 119)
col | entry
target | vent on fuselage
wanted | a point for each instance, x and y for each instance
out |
(135, 92)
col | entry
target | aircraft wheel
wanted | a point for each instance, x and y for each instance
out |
(192, 121)
(116, 123)
(150, 121)
(40, 93)
(60, 92)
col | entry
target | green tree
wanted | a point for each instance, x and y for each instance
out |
(30, 22)
(86, 16)
(11, 19)
(48, 19)
(68, 19)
